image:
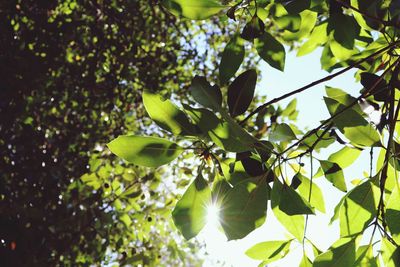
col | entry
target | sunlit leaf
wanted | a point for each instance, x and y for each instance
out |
(241, 92)
(226, 135)
(305, 262)
(271, 50)
(345, 156)
(393, 213)
(390, 253)
(190, 212)
(334, 174)
(293, 224)
(205, 94)
(353, 125)
(145, 151)
(318, 37)
(167, 115)
(244, 208)
(342, 253)
(345, 29)
(193, 9)
(269, 251)
(231, 59)
(292, 203)
(308, 21)
(281, 133)
(358, 209)
(365, 257)
(316, 199)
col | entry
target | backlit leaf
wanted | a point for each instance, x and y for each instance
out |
(190, 212)
(334, 174)
(282, 133)
(390, 253)
(269, 251)
(224, 134)
(205, 94)
(393, 213)
(358, 209)
(353, 125)
(231, 59)
(292, 203)
(294, 224)
(342, 253)
(193, 9)
(145, 151)
(167, 115)
(244, 208)
(316, 199)
(271, 50)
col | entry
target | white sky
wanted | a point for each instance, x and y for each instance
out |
(298, 72)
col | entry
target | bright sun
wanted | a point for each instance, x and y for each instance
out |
(213, 215)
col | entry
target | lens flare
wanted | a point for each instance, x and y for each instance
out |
(213, 215)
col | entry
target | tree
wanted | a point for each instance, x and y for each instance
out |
(243, 154)
(72, 73)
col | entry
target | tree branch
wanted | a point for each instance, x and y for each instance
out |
(327, 78)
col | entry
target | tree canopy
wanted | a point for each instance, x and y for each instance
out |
(169, 86)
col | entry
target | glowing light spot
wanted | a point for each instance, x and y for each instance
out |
(213, 215)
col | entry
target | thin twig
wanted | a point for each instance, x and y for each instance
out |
(396, 63)
(314, 83)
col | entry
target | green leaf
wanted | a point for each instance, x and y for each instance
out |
(317, 38)
(305, 262)
(317, 199)
(290, 110)
(167, 115)
(345, 29)
(220, 189)
(232, 58)
(241, 92)
(244, 208)
(253, 29)
(205, 94)
(342, 253)
(380, 91)
(193, 9)
(271, 50)
(393, 213)
(190, 212)
(290, 22)
(390, 253)
(292, 203)
(325, 140)
(342, 97)
(269, 251)
(294, 224)
(358, 209)
(334, 174)
(308, 21)
(345, 156)
(144, 150)
(353, 125)
(224, 134)
(282, 133)
(294, 7)
(234, 171)
(365, 257)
